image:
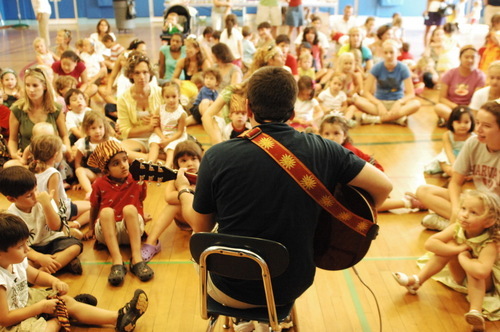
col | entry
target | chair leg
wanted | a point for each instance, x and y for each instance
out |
(212, 321)
(225, 326)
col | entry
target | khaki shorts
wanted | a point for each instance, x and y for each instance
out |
(33, 323)
(271, 14)
(121, 231)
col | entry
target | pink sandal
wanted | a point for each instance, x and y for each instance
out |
(148, 251)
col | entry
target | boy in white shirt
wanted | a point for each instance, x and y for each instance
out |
(77, 107)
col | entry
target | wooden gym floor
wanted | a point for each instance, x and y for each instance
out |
(337, 301)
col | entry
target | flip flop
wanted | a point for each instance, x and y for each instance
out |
(148, 251)
(117, 274)
(142, 270)
(403, 280)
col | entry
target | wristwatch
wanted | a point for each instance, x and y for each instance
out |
(185, 190)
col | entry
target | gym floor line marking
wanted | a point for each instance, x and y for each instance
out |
(363, 321)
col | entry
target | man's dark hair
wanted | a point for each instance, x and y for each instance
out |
(12, 230)
(271, 95)
(16, 181)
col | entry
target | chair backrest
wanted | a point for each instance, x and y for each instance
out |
(233, 266)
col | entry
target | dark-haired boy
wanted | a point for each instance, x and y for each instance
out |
(207, 95)
(283, 42)
(116, 212)
(21, 306)
(51, 250)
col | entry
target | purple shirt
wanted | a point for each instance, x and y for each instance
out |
(461, 88)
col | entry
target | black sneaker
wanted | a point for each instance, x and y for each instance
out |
(74, 267)
(132, 311)
(87, 299)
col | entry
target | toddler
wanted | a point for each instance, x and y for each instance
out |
(77, 107)
(44, 57)
(10, 89)
(238, 117)
(36, 309)
(306, 65)
(207, 95)
(94, 61)
(172, 129)
(115, 50)
(97, 130)
(47, 155)
(334, 98)
(62, 85)
(469, 249)
(116, 214)
(307, 110)
(460, 127)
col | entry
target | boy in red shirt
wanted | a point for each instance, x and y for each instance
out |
(116, 212)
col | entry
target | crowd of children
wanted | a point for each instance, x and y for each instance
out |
(340, 84)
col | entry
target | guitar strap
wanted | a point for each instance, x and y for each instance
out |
(307, 180)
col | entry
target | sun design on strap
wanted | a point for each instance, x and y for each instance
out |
(308, 181)
(326, 200)
(266, 143)
(344, 216)
(287, 161)
(362, 227)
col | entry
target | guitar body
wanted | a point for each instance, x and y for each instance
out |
(336, 246)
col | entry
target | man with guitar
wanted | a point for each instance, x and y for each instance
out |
(247, 193)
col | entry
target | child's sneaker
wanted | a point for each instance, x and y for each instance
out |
(132, 311)
(87, 299)
(475, 318)
(74, 267)
(370, 119)
(435, 222)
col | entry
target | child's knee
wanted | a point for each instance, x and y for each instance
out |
(107, 214)
(129, 211)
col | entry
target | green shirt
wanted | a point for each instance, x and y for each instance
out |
(26, 125)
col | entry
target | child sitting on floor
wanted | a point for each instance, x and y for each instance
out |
(468, 248)
(35, 309)
(51, 250)
(116, 214)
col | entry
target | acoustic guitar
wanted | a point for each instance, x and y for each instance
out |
(145, 171)
(337, 246)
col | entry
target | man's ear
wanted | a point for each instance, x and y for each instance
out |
(10, 199)
(292, 116)
(249, 110)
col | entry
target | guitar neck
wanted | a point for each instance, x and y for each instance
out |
(147, 171)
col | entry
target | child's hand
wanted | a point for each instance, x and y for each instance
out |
(60, 287)
(48, 306)
(48, 264)
(44, 197)
(89, 234)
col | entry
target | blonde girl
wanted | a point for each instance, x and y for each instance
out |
(44, 57)
(63, 39)
(47, 154)
(353, 85)
(172, 128)
(97, 130)
(10, 89)
(187, 154)
(307, 110)
(469, 249)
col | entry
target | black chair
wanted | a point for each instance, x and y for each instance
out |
(243, 258)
